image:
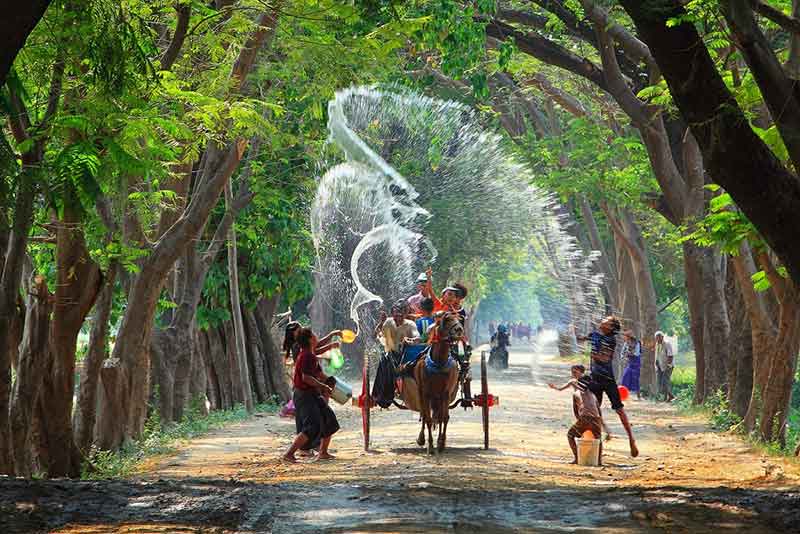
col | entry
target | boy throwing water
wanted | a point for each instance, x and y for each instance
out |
(604, 343)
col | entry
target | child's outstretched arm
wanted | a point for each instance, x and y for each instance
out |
(565, 386)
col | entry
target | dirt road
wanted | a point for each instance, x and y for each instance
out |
(686, 479)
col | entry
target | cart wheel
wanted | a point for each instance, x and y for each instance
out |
(365, 405)
(485, 404)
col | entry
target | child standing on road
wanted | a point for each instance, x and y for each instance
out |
(585, 408)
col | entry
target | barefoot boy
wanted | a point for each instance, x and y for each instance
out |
(587, 412)
(604, 343)
(579, 375)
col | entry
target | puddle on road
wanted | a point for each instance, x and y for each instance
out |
(427, 507)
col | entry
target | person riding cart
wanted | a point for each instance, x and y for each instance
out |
(452, 301)
(393, 332)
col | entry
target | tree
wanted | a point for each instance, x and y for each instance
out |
(734, 155)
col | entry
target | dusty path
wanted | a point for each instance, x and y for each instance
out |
(687, 479)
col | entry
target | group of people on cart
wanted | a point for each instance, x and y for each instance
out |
(407, 332)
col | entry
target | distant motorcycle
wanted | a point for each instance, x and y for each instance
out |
(498, 355)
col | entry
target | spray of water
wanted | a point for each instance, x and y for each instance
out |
(410, 162)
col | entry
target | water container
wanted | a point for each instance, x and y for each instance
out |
(342, 392)
(588, 452)
(348, 336)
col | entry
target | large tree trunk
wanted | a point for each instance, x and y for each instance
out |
(255, 356)
(78, 282)
(112, 410)
(778, 392)
(175, 343)
(86, 408)
(265, 314)
(131, 352)
(9, 292)
(35, 361)
(693, 265)
(717, 328)
(764, 332)
(221, 366)
(740, 347)
(212, 383)
(163, 350)
(198, 384)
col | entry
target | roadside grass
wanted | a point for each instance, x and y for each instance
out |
(722, 419)
(157, 440)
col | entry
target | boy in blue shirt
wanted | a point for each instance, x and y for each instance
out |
(425, 320)
(604, 343)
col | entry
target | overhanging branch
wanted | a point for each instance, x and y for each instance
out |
(787, 22)
(546, 50)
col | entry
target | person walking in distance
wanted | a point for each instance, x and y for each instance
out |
(665, 362)
(631, 354)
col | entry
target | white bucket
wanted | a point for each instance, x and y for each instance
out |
(588, 452)
(342, 392)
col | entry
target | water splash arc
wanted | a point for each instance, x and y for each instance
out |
(403, 153)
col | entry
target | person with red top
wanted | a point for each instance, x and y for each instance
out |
(315, 419)
(452, 301)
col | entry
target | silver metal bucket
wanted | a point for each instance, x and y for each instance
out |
(342, 392)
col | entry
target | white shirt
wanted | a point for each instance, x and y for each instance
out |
(663, 355)
(394, 334)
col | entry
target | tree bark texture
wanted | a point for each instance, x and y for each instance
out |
(715, 320)
(775, 347)
(36, 359)
(86, 408)
(740, 346)
(693, 265)
(78, 282)
(9, 291)
(265, 316)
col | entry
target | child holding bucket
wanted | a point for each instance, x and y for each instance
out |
(579, 382)
(586, 409)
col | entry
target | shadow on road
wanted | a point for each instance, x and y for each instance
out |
(209, 506)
